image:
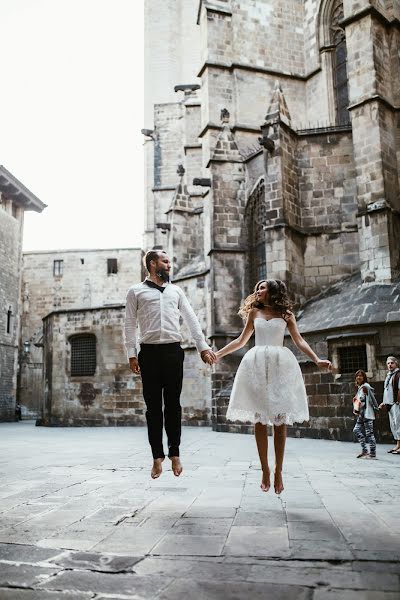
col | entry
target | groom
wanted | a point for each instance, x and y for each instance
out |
(155, 305)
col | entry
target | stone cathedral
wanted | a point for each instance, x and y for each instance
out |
(272, 150)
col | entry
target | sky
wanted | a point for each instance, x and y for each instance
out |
(71, 106)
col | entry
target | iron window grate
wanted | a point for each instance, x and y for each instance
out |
(83, 355)
(352, 359)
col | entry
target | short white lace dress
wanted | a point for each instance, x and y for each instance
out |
(269, 386)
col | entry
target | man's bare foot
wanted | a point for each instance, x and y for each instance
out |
(265, 482)
(176, 465)
(278, 482)
(157, 468)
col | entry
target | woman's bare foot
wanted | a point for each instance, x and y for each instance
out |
(157, 468)
(176, 465)
(265, 482)
(278, 482)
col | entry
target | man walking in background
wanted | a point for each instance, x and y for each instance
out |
(155, 305)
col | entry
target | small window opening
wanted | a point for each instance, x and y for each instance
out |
(112, 266)
(58, 268)
(9, 319)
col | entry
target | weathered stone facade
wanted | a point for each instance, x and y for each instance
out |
(285, 164)
(109, 396)
(66, 280)
(15, 198)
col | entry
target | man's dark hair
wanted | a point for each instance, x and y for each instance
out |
(152, 255)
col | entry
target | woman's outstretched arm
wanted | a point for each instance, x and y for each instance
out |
(241, 340)
(302, 345)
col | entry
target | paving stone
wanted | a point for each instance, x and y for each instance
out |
(18, 594)
(313, 531)
(319, 550)
(190, 545)
(201, 526)
(354, 595)
(325, 576)
(24, 575)
(104, 583)
(22, 553)
(210, 512)
(181, 590)
(90, 561)
(257, 541)
(198, 568)
(130, 540)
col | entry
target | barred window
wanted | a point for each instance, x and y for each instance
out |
(83, 355)
(112, 266)
(353, 358)
(58, 268)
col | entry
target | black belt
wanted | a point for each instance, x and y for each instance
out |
(169, 344)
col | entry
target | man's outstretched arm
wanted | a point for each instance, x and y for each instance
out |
(130, 330)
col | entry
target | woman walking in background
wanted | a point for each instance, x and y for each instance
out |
(268, 387)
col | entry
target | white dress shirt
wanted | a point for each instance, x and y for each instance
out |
(157, 315)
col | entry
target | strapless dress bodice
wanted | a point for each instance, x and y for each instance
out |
(269, 332)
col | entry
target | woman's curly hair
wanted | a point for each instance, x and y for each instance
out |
(278, 298)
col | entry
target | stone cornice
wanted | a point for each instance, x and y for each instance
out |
(84, 309)
(234, 128)
(232, 66)
(374, 13)
(310, 231)
(214, 7)
(14, 190)
(226, 250)
(374, 98)
(190, 276)
(164, 188)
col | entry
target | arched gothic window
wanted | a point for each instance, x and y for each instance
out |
(333, 41)
(340, 79)
(255, 221)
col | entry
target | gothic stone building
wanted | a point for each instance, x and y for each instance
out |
(15, 199)
(278, 156)
(73, 367)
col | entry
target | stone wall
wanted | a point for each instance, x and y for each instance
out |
(11, 227)
(172, 50)
(113, 395)
(84, 283)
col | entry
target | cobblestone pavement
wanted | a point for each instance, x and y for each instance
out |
(81, 518)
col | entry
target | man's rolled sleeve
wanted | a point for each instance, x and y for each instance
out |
(130, 324)
(193, 324)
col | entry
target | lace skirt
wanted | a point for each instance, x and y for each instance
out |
(268, 388)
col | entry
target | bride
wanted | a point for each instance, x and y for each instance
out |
(268, 387)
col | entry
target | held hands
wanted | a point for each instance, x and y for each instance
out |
(208, 357)
(324, 364)
(134, 365)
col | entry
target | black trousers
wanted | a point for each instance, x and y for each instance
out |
(161, 368)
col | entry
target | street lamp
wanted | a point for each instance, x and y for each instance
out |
(27, 347)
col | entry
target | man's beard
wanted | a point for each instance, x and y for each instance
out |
(163, 275)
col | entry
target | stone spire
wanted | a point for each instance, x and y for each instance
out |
(226, 148)
(181, 197)
(278, 110)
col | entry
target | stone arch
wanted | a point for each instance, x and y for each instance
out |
(332, 43)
